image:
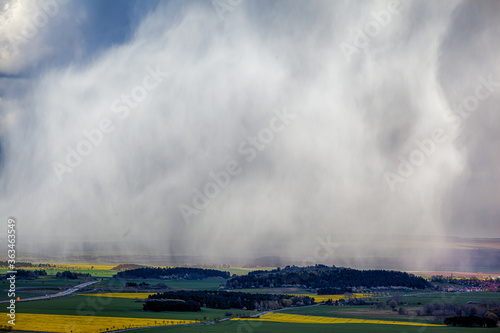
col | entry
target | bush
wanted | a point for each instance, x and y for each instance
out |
(71, 275)
(170, 305)
(470, 321)
(492, 316)
(393, 303)
(402, 311)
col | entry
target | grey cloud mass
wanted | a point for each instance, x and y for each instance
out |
(357, 117)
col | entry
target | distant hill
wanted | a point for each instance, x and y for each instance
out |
(327, 279)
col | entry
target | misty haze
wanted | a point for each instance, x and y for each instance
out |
(356, 160)
(252, 133)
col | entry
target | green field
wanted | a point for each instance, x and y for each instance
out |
(52, 271)
(357, 312)
(25, 288)
(111, 307)
(206, 284)
(276, 291)
(96, 273)
(265, 327)
(43, 281)
(414, 298)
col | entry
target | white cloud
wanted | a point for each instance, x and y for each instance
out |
(25, 32)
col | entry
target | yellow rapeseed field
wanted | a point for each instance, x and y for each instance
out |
(87, 266)
(324, 298)
(84, 324)
(301, 319)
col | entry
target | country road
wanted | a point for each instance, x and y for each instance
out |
(67, 292)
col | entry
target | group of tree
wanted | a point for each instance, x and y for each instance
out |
(170, 305)
(470, 321)
(71, 275)
(24, 264)
(468, 282)
(334, 291)
(186, 273)
(236, 300)
(490, 310)
(327, 279)
(145, 285)
(348, 301)
(29, 274)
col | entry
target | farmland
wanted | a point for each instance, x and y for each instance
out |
(85, 324)
(307, 319)
(268, 327)
(111, 304)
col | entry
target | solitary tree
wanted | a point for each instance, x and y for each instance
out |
(392, 303)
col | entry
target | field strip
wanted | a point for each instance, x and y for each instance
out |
(324, 298)
(121, 295)
(85, 324)
(302, 319)
(317, 298)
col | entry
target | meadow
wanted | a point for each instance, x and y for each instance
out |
(271, 327)
(112, 307)
(115, 307)
(416, 298)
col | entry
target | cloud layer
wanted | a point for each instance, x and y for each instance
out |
(359, 116)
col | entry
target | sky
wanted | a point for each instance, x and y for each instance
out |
(248, 128)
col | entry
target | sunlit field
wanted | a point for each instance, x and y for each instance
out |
(324, 298)
(85, 324)
(123, 295)
(303, 319)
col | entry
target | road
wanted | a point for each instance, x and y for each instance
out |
(67, 292)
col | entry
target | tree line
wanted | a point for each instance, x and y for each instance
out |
(470, 321)
(444, 310)
(186, 273)
(466, 282)
(24, 264)
(170, 305)
(228, 300)
(327, 279)
(29, 274)
(71, 275)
